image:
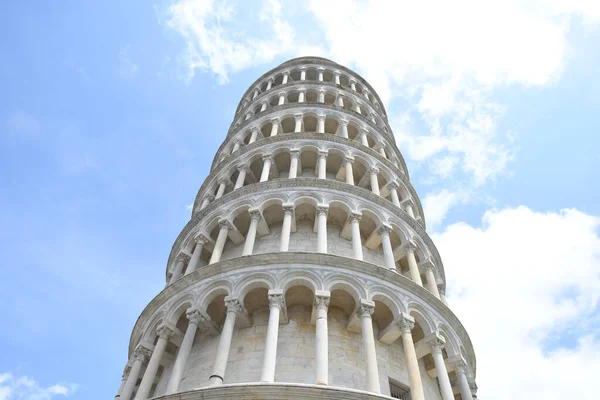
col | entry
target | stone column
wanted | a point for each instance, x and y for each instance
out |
(207, 201)
(276, 302)
(374, 181)
(340, 100)
(431, 282)
(320, 75)
(366, 95)
(233, 307)
(251, 235)
(263, 106)
(220, 243)
(321, 304)
(381, 149)
(241, 177)
(253, 135)
(412, 263)
(221, 190)
(255, 94)
(200, 240)
(437, 344)
(356, 240)
(406, 325)
(409, 210)
(393, 187)
(357, 108)
(267, 160)
(298, 123)
(275, 126)
(164, 333)
(178, 268)
(302, 74)
(140, 355)
(321, 96)
(294, 157)
(463, 383)
(364, 311)
(320, 123)
(363, 137)
(337, 79)
(344, 128)
(442, 293)
(248, 116)
(349, 173)
(285, 78)
(353, 85)
(269, 84)
(236, 146)
(386, 243)
(286, 227)
(322, 172)
(126, 372)
(301, 95)
(322, 211)
(281, 98)
(195, 318)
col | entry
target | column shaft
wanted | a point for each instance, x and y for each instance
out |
(294, 156)
(223, 347)
(394, 195)
(251, 235)
(193, 264)
(153, 364)
(221, 190)
(431, 283)
(270, 355)
(177, 272)
(264, 176)
(183, 354)
(322, 173)
(298, 124)
(253, 136)
(134, 375)
(374, 182)
(413, 267)
(356, 240)
(321, 231)
(321, 339)
(344, 131)
(463, 384)
(442, 374)
(368, 338)
(219, 244)
(286, 228)
(240, 179)
(388, 252)
(414, 375)
(349, 172)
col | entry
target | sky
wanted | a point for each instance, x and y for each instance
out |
(111, 113)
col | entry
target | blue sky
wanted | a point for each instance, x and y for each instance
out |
(112, 111)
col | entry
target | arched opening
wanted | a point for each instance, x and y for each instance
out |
(288, 124)
(308, 161)
(310, 123)
(331, 125)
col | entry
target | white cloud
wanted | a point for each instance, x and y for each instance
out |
(436, 206)
(127, 68)
(25, 388)
(219, 42)
(523, 283)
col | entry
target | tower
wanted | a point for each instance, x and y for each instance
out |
(305, 270)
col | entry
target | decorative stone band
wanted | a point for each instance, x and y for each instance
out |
(363, 196)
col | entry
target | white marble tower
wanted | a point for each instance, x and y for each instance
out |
(305, 270)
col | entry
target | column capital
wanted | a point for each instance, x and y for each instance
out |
(142, 353)
(288, 208)
(254, 128)
(437, 344)
(298, 116)
(233, 306)
(209, 196)
(323, 153)
(126, 371)
(441, 289)
(302, 90)
(255, 214)
(393, 185)
(164, 332)
(275, 120)
(366, 308)
(195, 316)
(321, 302)
(409, 246)
(201, 239)
(374, 170)
(460, 366)
(384, 229)
(223, 223)
(344, 122)
(276, 299)
(322, 209)
(321, 117)
(349, 159)
(223, 180)
(241, 167)
(182, 257)
(355, 216)
(267, 157)
(406, 323)
(295, 153)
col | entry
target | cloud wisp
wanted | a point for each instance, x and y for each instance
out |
(25, 388)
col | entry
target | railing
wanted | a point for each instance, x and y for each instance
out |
(398, 392)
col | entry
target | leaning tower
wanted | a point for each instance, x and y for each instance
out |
(305, 270)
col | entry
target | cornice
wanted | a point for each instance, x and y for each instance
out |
(403, 175)
(303, 107)
(309, 85)
(315, 259)
(297, 183)
(308, 61)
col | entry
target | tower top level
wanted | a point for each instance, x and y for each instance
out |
(305, 270)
